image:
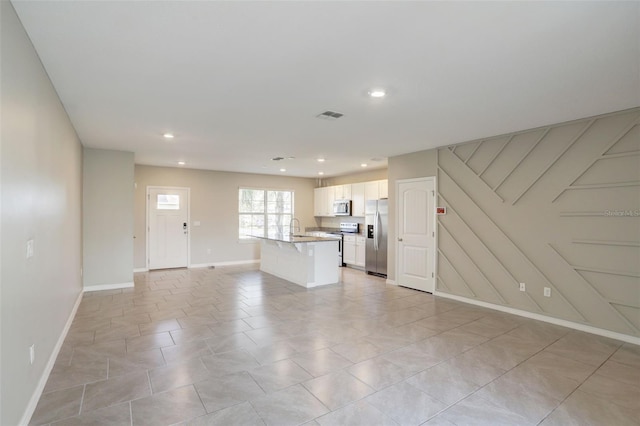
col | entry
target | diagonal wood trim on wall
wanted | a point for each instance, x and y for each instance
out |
(555, 207)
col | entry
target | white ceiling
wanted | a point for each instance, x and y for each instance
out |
(241, 82)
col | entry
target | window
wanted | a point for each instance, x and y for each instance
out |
(264, 212)
(168, 202)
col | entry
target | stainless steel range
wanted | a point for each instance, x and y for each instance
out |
(345, 228)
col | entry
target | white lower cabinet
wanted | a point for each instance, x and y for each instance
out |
(360, 250)
(349, 250)
(353, 250)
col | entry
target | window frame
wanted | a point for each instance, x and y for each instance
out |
(265, 211)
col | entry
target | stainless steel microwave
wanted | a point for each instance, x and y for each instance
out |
(342, 207)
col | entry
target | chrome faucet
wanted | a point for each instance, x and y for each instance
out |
(294, 226)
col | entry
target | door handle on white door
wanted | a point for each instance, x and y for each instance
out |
(399, 239)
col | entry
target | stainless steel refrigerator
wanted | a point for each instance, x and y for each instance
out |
(377, 221)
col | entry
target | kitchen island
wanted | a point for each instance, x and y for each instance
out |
(304, 260)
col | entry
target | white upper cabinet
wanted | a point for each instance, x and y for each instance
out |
(343, 192)
(319, 201)
(331, 197)
(376, 190)
(371, 190)
(357, 199)
(358, 193)
(383, 188)
(323, 201)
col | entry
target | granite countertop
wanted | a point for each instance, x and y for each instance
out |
(295, 238)
(361, 232)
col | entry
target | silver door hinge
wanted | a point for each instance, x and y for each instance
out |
(433, 275)
(433, 193)
(433, 234)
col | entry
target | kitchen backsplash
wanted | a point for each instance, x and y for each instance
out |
(334, 222)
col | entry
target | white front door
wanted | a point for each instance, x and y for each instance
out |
(168, 227)
(416, 233)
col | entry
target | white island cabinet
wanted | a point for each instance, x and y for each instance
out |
(306, 261)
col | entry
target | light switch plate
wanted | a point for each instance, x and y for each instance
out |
(29, 249)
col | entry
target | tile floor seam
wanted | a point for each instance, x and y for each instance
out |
(595, 372)
(571, 393)
(257, 412)
(151, 392)
(200, 397)
(315, 397)
(84, 390)
(283, 302)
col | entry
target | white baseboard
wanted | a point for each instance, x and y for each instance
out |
(37, 393)
(229, 263)
(392, 282)
(108, 287)
(545, 318)
(140, 270)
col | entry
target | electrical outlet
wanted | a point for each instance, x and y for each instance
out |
(523, 287)
(32, 353)
(547, 292)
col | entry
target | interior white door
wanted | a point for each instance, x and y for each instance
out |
(168, 227)
(416, 234)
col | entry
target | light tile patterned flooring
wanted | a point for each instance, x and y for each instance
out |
(234, 346)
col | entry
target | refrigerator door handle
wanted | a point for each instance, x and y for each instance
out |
(376, 231)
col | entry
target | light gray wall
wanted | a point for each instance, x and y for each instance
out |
(554, 207)
(107, 214)
(41, 178)
(214, 203)
(408, 166)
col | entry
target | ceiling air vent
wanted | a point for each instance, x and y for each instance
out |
(277, 159)
(330, 115)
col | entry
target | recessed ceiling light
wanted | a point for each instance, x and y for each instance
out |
(283, 170)
(320, 173)
(181, 163)
(291, 158)
(363, 165)
(320, 160)
(168, 135)
(377, 93)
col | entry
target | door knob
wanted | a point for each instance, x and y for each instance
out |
(399, 239)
